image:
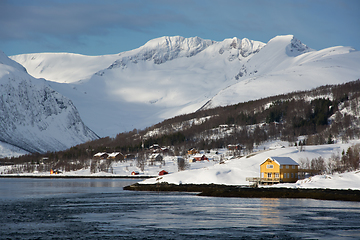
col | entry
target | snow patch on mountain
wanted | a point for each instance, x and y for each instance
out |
(63, 67)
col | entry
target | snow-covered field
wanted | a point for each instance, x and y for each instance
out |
(234, 171)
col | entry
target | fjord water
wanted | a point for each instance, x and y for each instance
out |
(87, 208)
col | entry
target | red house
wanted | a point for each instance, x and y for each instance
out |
(163, 172)
(200, 158)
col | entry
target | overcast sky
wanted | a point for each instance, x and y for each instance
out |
(94, 27)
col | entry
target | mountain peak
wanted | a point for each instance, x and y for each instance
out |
(176, 41)
(282, 38)
(7, 61)
(293, 46)
(167, 48)
(297, 47)
(245, 46)
(163, 49)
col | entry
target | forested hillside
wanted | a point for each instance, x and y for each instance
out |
(322, 115)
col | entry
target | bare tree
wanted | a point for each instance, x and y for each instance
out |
(141, 162)
(182, 164)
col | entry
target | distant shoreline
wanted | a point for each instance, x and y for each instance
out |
(73, 176)
(213, 190)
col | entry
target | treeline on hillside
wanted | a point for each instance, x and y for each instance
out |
(279, 117)
(286, 117)
(349, 160)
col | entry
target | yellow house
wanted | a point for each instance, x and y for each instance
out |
(278, 169)
(192, 151)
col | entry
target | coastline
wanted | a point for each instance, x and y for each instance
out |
(74, 176)
(213, 190)
(217, 190)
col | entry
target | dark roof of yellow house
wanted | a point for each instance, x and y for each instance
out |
(282, 161)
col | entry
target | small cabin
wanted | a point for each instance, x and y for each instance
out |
(164, 149)
(44, 160)
(101, 155)
(155, 157)
(199, 157)
(155, 148)
(279, 170)
(55, 171)
(116, 156)
(163, 172)
(233, 147)
(192, 151)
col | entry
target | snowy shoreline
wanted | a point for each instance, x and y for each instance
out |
(231, 172)
(72, 176)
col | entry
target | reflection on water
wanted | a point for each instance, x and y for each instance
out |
(36, 187)
(270, 212)
(100, 209)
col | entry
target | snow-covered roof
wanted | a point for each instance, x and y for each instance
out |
(99, 154)
(154, 155)
(155, 146)
(283, 161)
(114, 154)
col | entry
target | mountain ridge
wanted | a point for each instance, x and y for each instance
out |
(169, 76)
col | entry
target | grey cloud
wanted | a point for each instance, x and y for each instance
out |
(31, 19)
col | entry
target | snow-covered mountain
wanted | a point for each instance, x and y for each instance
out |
(33, 116)
(169, 76)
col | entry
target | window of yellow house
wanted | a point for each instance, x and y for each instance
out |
(276, 175)
(269, 175)
(270, 166)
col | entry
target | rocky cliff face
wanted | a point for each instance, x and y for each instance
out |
(164, 49)
(35, 117)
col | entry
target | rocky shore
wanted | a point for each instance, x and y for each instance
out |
(214, 190)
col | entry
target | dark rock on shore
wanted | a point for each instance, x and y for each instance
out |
(214, 190)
